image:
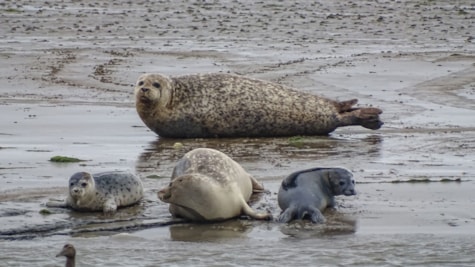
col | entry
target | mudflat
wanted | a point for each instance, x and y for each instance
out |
(67, 71)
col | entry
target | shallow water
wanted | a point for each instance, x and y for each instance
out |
(387, 224)
(255, 248)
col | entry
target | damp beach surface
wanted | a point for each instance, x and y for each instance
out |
(67, 72)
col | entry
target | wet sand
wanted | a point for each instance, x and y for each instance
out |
(67, 72)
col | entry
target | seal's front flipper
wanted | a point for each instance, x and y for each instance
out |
(110, 207)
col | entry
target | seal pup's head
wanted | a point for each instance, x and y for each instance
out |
(152, 90)
(341, 182)
(80, 183)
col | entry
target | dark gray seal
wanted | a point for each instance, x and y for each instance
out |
(305, 194)
(207, 185)
(101, 192)
(225, 105)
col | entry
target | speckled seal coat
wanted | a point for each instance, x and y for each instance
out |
(225, 105)
(102, 192)
(309, 192)
(207, 185)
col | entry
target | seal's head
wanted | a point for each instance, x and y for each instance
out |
(152, 90)
(341, 182)
(80, 183)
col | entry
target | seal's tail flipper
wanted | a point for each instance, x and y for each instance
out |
(345, 106)
(316, 216)
(256, 186)
(287, 215)
(366, 117)
(246, 210)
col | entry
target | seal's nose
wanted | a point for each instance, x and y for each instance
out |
(349, 192)
(144, 90)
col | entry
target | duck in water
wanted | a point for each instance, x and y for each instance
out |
(69, 252)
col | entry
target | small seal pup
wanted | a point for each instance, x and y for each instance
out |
(101, 192)
(69, 252)
(207, 185)
(309, 192)
(225, 105)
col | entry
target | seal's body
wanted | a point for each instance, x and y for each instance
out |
(207, 185)
(225, 105)
(307, 193)
(102, 192)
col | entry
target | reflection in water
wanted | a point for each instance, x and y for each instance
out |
(263, 157)
(336, 224)
(210, 231)
(59, 221)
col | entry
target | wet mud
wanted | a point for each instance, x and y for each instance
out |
(67, 71)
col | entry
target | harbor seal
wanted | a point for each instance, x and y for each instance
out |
(226, 105)
(307, 193)
(101, 192)
(69, 252)
(207, 185)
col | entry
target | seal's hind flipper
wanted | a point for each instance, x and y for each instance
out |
(287, 215)
(256, 186)
(345, 106)
(246, 210)
(316, 216)
(366, 117)
(369, 118)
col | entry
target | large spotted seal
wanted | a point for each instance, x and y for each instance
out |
(305, 194)
(101, 192)
(225, 105)
(207, 185)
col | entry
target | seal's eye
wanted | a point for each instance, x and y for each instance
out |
(71, 184)
(156, 85)
(342, 183)
(83, 184)
(353, 181)
(140, 83)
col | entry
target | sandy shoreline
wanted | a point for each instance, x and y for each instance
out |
(67, 72)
